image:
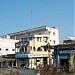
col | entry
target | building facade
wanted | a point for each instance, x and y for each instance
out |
(29, 50)
(64, 56)
(43, 30)
(7, 47)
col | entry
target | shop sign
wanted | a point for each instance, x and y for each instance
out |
(21, 55)
(40, 55)
(67, 51)
(63, 57)
(20, 44)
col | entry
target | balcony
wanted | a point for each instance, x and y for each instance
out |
(21, 44)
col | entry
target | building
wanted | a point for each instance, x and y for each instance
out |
(43, 30)
(29, 50)
(64, 55)
(7, 48)
(69, 40)
(32, 52)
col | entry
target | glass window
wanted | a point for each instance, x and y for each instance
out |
(37, 39)
(45, 39)
(33, 39)
(0, 49)
(53, 33)
(49, 32)
(40, 39)
(34, 48)
(13, 49)
(39, 49)
(24, 39)
(54, 42)
(30, 38)
(38, 60)
(6, 49)
(31, 47)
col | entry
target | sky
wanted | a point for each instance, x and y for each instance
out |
(18, 15)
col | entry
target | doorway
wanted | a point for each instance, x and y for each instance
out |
(45, 61)
(64, 64)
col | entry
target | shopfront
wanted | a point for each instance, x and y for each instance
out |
(25, 59)
(22, 59)
(64, 55)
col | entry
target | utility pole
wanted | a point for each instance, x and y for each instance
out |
(31, 19)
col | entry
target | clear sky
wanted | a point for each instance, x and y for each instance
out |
(15, 15)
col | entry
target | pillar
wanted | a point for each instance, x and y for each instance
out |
(16, 62)
(72, 61)
(12, 63)
(1, 64)
(7, 64)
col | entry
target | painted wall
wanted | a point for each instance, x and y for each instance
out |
(7, 46)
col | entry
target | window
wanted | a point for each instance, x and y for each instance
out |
(39, 49)
(33, 39)
(31, 47)
(6, 49)
(24, 39)
(37, 39)
(50, 41)
(53, 33)
(49, 32)
(38, 60)
(13, 49)
(40, 39)
(0, 49)
(34, 48)
(21, 49)
(54, 42)
(30, 38)
(45, 39)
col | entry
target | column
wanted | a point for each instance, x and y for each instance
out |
(16, 62)
(7, 64)
(1, 64)
(72, 61)
(12, 63)
(48, 61)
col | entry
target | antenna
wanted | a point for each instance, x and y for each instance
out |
(31, 19)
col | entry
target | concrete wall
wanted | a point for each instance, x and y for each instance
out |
(7, 46)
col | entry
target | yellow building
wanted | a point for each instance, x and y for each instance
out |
(28, 50)
(30, 53)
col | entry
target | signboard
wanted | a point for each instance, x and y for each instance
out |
(63, 57)
(28, 55)
(21, 44)
(21, 55)
(40, 55)
(67, 51)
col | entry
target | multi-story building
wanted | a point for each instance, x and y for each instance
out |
(29, 51)
(7, 47)
(43, 30)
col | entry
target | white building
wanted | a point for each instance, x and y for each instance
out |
(43, 30)
(7, 46)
